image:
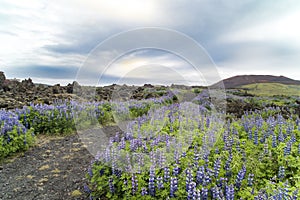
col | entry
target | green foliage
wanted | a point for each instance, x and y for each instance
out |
(261, 158)
(15, 141)
(272, 89)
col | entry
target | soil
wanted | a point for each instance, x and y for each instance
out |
(54, 169)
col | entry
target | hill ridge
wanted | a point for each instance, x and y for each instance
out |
(241, 80)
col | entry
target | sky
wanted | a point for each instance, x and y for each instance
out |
(59, 41)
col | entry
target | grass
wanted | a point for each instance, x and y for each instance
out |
(272, 89)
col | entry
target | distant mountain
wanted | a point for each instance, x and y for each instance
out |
(238, 81)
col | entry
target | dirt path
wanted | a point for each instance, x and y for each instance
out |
(54, 169)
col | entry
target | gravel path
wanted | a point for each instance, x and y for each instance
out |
(54, 169)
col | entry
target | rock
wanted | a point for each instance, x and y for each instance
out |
(2, 79)
(56, 89)
(148, 86)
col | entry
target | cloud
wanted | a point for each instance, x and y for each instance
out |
(248, 36)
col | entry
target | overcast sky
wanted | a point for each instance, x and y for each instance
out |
(50, 41)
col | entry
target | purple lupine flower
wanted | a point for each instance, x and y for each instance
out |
(287, 149)
(207, 179)
(207, 122)
(140, 162)
(101, 172)
(152, 181)
(280, 136)
(200, 175)
(215, 193)
(196, 159)
(229, 192)
(217, 151)
(204, 193)
(122, 144)
(197, 194)
(281, 173)
(183, 154)
(87, 189)
(144, 191)
(128, 160)
(159, 182)
(240, 176)
(274, 141)
(166, 174)
(125, 182)
(189, 178)
(256, 137)
(162, 159)
(191, 189)
(173, 186)
(152, 158)
(145, 147)
(293, 138)
(295, 194)
(90, 171)
(228, 162)
(176, 170)
(217, 166)
(264, 136)
(134, 184)
(111, 185)
(221, 182)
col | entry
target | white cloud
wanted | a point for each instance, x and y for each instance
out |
(60, 33)
(281, 29)
(258, 61)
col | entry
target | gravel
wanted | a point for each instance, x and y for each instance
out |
(54, 169)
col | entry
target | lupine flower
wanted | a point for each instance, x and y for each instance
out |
(90, 171)
(134, 184)
(240, 176)
(204, 193)
(215, 193)
(274, 141)
(152, 181)
(287, 149)
(200, 175)
(295, 194)
(256, 137)
(87, 189)
(197, 194)
(281, 173)
(144, 191)
(280, 136)
(217, 166)
(176, 170)
(166, 174)
(111, 185)
(173, 186)
(189, 178)
(293, 138)
(196, 158)
(221, 182)
(229, 192)
(207, 179)
(159, 182)
(190, 191)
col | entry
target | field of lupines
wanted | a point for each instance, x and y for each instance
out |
(20, 126)
(175, 151)
(182, 151)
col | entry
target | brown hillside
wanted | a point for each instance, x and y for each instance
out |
(238, 81)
